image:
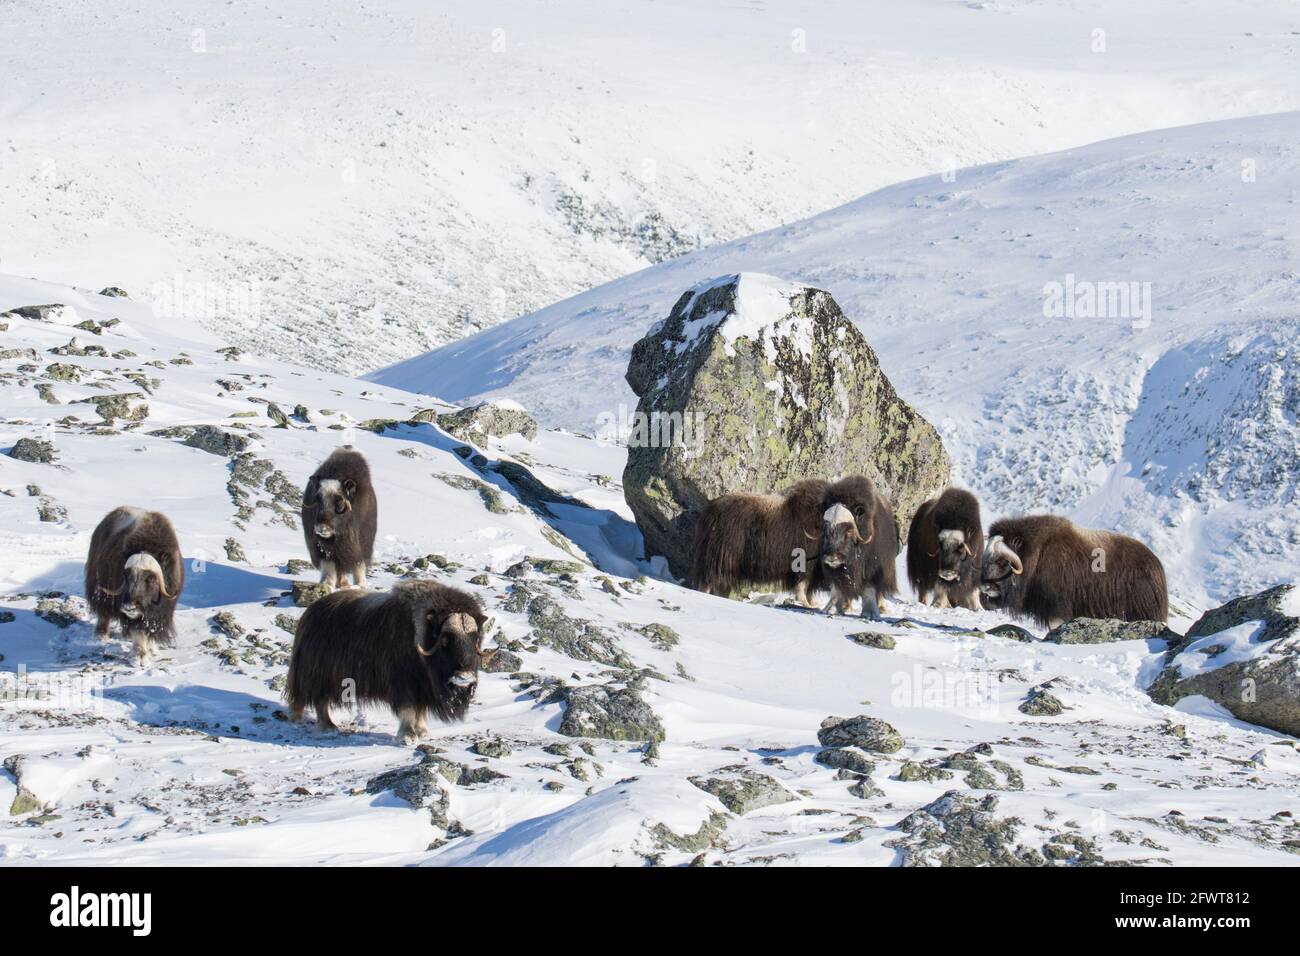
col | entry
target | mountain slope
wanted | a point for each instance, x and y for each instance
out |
(189, 760)
(349, 186)
(1119, 420)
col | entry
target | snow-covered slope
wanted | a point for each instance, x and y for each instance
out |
(352, 184)
(1175, 419)
(189, 760)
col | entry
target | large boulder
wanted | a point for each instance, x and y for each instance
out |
(497, 419)
(751, 384)
(1244, 656)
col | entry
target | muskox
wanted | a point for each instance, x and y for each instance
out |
(339, 514)
(858, 547)
(1050, 569)
(415, 648)
(134, 574)
(945, 546)
(759, 540)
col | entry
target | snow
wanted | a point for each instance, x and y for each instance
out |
(1163, 432)
(1236, 644)
(238, 168)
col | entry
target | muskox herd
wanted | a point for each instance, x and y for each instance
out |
(841, 537)
(417, 647)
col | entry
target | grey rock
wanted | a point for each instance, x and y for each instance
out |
(1093, 630)
(869, 733)
(216, 441)
(33, 450)
(609, 712)
(419, 786)
(743, 791)
(1013, 632)
(842, 758)
(834, 412)
(475, 424)
(874, 639)
(961, 830)
(500, 661)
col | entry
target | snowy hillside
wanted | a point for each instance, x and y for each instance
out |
(189, 761)
(1174, 418)
(349, 185)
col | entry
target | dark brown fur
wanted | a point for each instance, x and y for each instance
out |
(928, 555)
(1058, 581)
(113, 592)
(350, 516)
(857, 560)
(759, 540)
(360, 646)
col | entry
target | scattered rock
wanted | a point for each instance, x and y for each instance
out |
(306, 593)
(235, 551)
(1092, 630)
(843, 758)
(869, 733)
(33, 450)
(1040, 703)
(216, 441)
(911, 771)
(418, 786)
(961, 830)
(874, 639)
(490, 747)
(1013, 632)
(1259, 681)
(708, 835)
(742, 791)
(609, 712)
(755, 383)
(501, 661)
(487, 419)
(114, 292)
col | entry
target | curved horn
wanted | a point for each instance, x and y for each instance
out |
(969, 552)
(810, 537)
(162, 589)
(1014, 560)
(867, 539)
(423, 653)
(113, 592)
(935, 553)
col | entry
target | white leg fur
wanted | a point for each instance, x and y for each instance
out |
(359, 575)
(410, 726)
(329, 575)
(941, 600)
(870, 604)
(801, 594)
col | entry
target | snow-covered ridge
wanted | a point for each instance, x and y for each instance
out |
(189, 761)
(1152, 428)
(235, 165)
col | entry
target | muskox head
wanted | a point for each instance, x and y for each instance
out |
(954, 554)
(451, 645)
(143, 590)
(333, 500)
(842, 542)
(1000, 566)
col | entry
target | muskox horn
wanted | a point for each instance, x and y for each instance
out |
(809, 536)
(162, 588)
(969, 552)
(112, 592)
(1014, 560)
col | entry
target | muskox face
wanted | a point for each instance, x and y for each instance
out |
(451, 647)
(954, 554)
(333, 501)
(1000, 566)
(143, 591)
(842, 543)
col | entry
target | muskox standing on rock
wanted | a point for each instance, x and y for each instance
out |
(1050, 569)
(339, 514)
(760, 540)
(415, 648)
(134, 573)
(859, 545)
(945, 546)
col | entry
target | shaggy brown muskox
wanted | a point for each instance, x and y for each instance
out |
(945, 546)
(339, 514)
(134, 574)
(415, 648)
(1050, 569)
(759, 540)
(859, 546)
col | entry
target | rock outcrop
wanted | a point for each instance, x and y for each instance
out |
(475, 424)
(751, 384)
(1244, 656)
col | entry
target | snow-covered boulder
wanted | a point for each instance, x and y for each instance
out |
(1244, 656)
(751, 384)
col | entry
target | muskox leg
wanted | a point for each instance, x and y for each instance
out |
(329, 575)
(323, 721)
(359, 575)
(101, 627)
(924, 597)
(941, 601)
(801, 594)
(973, 601)
(870, 603)
(411, 725)
(144, 645)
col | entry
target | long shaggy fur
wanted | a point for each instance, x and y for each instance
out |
(756, 540)
(956, 512)
(341, 482)
(364, 643)
(1059, 581)
(849, 564)
(122, 533)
